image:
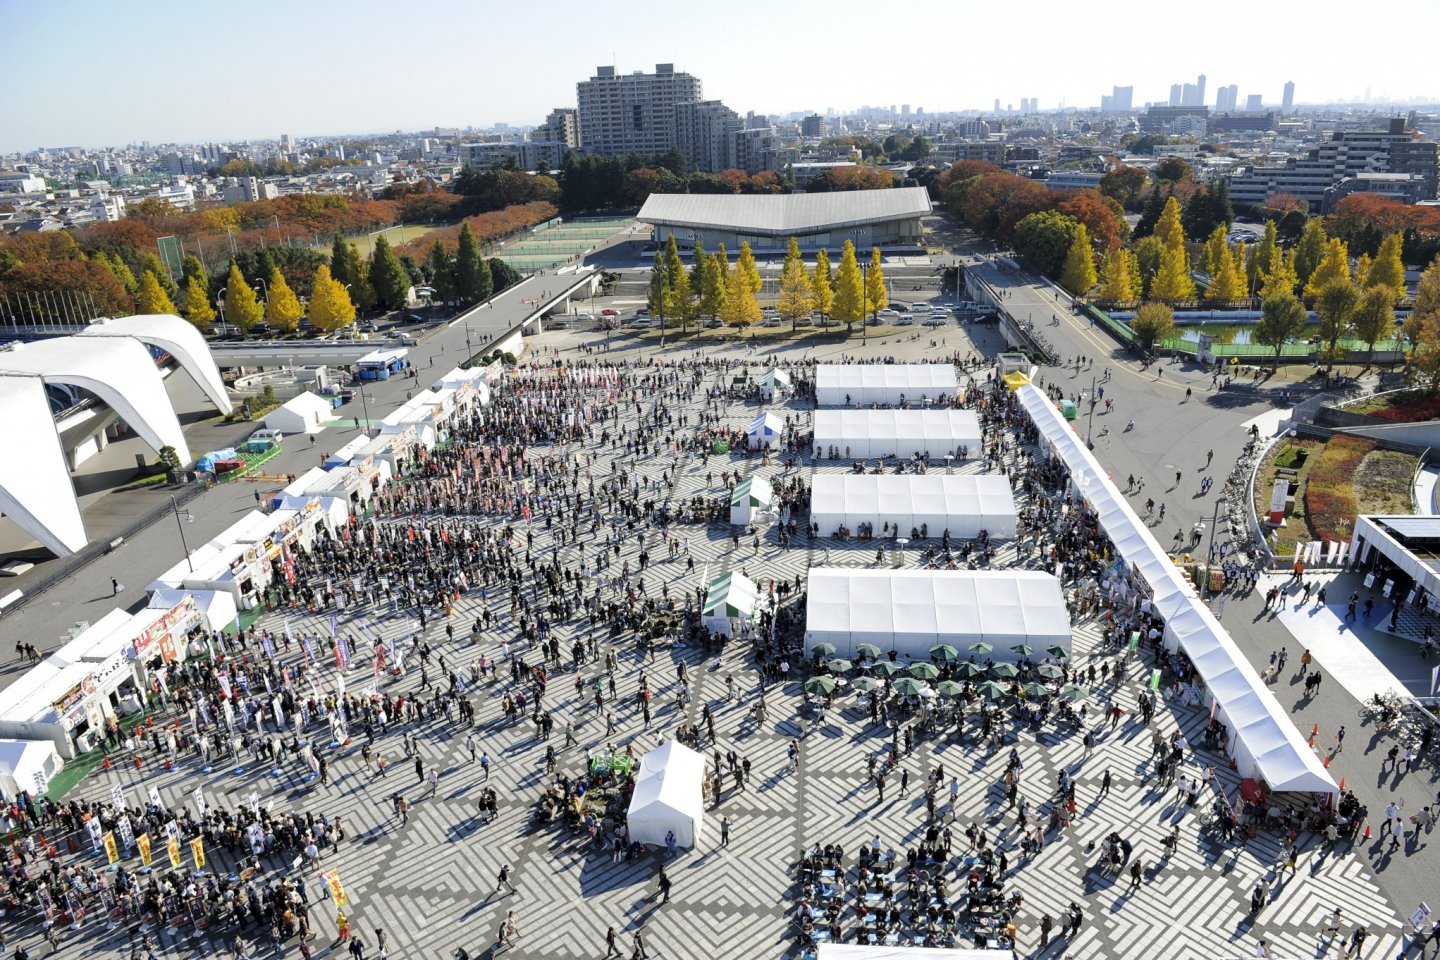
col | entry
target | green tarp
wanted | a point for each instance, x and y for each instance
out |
(733, 595)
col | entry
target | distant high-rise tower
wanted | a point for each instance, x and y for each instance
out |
(1192, 94)
(632, 113)
(904, 109)
(1226, 97)
(997, 104)
(1253, 104)
(1288, 103)
(1121, 98)
(1176, 92)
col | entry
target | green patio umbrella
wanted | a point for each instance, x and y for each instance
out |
(924, 671)
(949, 688)
(1007, 670)
(968, 669)
(1055, 650)
(823, 685)
(838, 665)
(867, 650)
(1051, 671)
(981, 647)
(866, 683)
(943, 651)
(1033, 689)
(823, 649)
(1074, 692)
(990, 690)
(1024, 649)
(886, 667)
(907, 686)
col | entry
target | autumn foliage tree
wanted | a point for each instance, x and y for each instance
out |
(1078, 274)
(282, 307)
(153, 299)
(330, 306)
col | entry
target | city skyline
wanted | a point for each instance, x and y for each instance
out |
(369, 86)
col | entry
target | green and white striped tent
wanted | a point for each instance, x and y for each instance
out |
(729, 600)
(773, 382)
(751, 494)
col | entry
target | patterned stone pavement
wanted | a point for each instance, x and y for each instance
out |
(430, 884)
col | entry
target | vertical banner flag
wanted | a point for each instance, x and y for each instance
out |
(197, 853)
(143, 842)
(112, 849)
(172, 848)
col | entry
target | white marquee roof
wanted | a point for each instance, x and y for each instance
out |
(668, 795)
(963, 504)
(782, 214)
(883, 382)
(873, 433)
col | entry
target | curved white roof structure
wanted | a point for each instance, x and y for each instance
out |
(110, 360)
(780, 215)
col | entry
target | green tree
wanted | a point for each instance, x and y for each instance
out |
(680, 300)
(876, 295)
(120, 271)
(197, 305)
(152, 263)
(1150, 214)
(1334, 265)
(388, 277)
(1225, 285)
(1374, 317)
(748, 270)
(1335, 303)
(797, 298)
(1387, 271)
(1282, 319)
(1173, 169)
(473, 283)
(699, 263)
(1311, 248)
(1427, 293)
(820, 286)
(1424, 361)
(242, 308)
(1281, 279)
(1263, 256)
(1148, 254)
(1172, 283)
(1153, 323)
(740, 309)
(1169, 229)
(849, 303)
(659, 289)
(440, 267)
(348, 269)
(1044, 239)
(282, 307)
(192, 269)
(1116, 284)
(1078, 275)
(330, 304)
(153, 298)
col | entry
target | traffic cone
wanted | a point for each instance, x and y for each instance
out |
(1342, 783)
(107, 763)
(1315, 731)
(1327, 760)
(1367, 829)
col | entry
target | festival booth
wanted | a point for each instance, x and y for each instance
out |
(246, 556)
(775, 382)
(471, 387)
(394, 449)
(887, 384)
(668, 796)
(911, 611)
(928, 503)
(382, 364)
(216, 607)
(900, 433)
(301, 482)
(764, 432)
(1264, 742)
(751, 496)
(27, 766)
(305, 413)
(730, 603)
(343, 456)
(355, 484)
(334, 512)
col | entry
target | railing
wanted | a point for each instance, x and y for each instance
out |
(1256, 531)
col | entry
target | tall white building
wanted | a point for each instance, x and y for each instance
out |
(562, 126)
(632, 113)
(705, 132)
(1226, 97)
(1288, 103)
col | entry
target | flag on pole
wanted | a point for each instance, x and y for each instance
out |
(334, 626)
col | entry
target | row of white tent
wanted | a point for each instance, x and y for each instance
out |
(1264, 740)
(848, 384)
(901, 433)
(964, 505)
(910, 611)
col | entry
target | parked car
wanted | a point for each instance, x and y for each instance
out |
(935, 321)
(263, 439)
(404, 339)
(608, 312)
(887, 314)
(905, 320)
(921, 308)
(714, 323)
(772, 320)
(584, 318)
(644, 323)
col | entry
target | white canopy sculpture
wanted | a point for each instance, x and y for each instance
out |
(668, 796)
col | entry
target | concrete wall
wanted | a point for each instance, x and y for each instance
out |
(1412, 434)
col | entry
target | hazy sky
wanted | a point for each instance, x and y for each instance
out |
(108, 72)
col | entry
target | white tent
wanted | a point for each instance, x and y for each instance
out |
(764, 431)
(849, 384)
(218, 606)
(751, 495)
(1265, 743)
(912, 610)
(306, 413)
(903, 433)
(669, 795)
(27, 765)
(729, 600)
(964, 505)
(775, 381)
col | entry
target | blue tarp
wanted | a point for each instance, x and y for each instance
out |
(206, 464)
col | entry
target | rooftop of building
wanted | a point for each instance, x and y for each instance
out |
(781, 214)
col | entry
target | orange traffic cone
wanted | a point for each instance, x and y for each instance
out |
(1342, 783)
(1327, 760)
(1315, 731)
(1367, 830)
(107, 763)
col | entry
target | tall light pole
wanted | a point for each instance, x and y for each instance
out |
(220, 302)
(1090, 420)
(175, 506)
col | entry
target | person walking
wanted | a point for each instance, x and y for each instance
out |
(1357, 940)
(725, 831)
(639, 952)
(502, 879)
(611, 950)
(1137, 874)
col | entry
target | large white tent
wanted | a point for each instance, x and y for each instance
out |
(775, 381)
(849, 384)
(964, 505)
(729, 601)
(903, 433)
(765, 431)
(668, 796)
(305, 413)
(1264, 741)
(911, 611)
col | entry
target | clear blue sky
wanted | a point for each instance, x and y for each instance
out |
(108, 72)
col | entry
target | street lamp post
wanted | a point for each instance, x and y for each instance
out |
(175, 506)
(1090, 420)
(220, 302)
(864, 299)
